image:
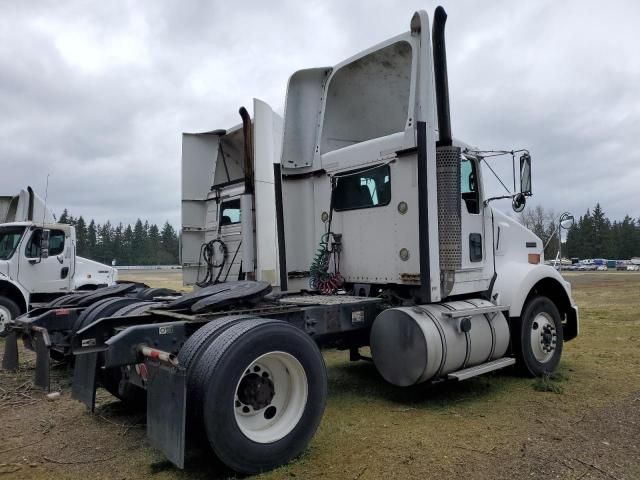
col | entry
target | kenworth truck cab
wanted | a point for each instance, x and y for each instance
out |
(378, 233)
(38, 260)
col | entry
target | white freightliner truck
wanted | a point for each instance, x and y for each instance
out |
(36, 268)
(373, 229)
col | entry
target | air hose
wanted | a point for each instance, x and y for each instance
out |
(207, 254)
(320, 278)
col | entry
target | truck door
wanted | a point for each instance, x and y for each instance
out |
(46, 275)
(475, 254)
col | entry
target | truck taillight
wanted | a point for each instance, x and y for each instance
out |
(534, 258)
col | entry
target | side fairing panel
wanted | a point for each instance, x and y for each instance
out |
(267, 151)
(302, 116)
(199, 153)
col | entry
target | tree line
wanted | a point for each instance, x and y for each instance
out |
(138, 244)
(592, 235)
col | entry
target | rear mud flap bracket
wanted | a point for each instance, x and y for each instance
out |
(166, 409)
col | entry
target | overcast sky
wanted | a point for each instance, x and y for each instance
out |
(98, 93)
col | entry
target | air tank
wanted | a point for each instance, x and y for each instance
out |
(411, 345)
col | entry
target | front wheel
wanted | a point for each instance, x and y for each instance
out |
(8, 311)
(265, 390)
(538, 337)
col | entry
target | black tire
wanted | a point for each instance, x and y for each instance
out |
(151, 293)
(114, 380)
(103, 308)
(224, 364)
(128, 309)
(10, 308)
(100, 294)
(61, 300)
(538, 310)
(140, 309)
(188, 357)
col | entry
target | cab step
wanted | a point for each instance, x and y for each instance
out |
(483, 368)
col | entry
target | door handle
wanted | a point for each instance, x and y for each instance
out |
(64, 272)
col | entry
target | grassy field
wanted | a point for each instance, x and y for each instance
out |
(584, 422)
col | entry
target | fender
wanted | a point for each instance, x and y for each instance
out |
(516, 280)
(15, 292)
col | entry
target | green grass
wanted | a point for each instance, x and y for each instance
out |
(500, 425)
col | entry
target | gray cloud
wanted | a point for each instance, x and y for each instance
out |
(97, 94)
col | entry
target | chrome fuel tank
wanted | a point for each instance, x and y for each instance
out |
(411, 345)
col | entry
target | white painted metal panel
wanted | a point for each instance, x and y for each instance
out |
(302, 116)
(267, 139)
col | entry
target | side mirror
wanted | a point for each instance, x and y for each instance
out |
(44, 243)
(567, 223)
(525, 174)
(518, 202)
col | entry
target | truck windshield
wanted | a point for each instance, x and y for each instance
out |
(9, 239)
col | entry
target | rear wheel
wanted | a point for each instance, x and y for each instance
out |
(114, 381)
(8, 311)
(538, 337)
(265, 389)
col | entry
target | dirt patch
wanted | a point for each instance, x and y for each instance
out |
(497, 426)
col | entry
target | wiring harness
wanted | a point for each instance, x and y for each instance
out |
(208, 255)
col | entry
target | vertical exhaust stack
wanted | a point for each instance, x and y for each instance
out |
(447, 165)
(31, 204)
(441, 78)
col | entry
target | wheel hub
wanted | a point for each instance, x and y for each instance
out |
(543, 338)
(256, 390)
(5, 316)
(270, 397)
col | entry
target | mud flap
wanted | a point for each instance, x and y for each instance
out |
(166, 409)
(10, 359)
(83, 388)
(42, 344)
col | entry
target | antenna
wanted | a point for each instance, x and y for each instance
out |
(46, 194)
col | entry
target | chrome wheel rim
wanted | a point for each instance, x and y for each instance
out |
(5, 316)
(544, 337)
(270, 397)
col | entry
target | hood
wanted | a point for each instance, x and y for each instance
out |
(90, 272)
(512, 235)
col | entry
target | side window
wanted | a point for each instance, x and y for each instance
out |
(366, 188)
(230, 212)
(469, 185)
(56, 243)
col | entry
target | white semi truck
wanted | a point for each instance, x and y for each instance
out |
(38, 260)
(365, 224)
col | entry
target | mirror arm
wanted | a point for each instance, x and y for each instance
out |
(486, 202)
